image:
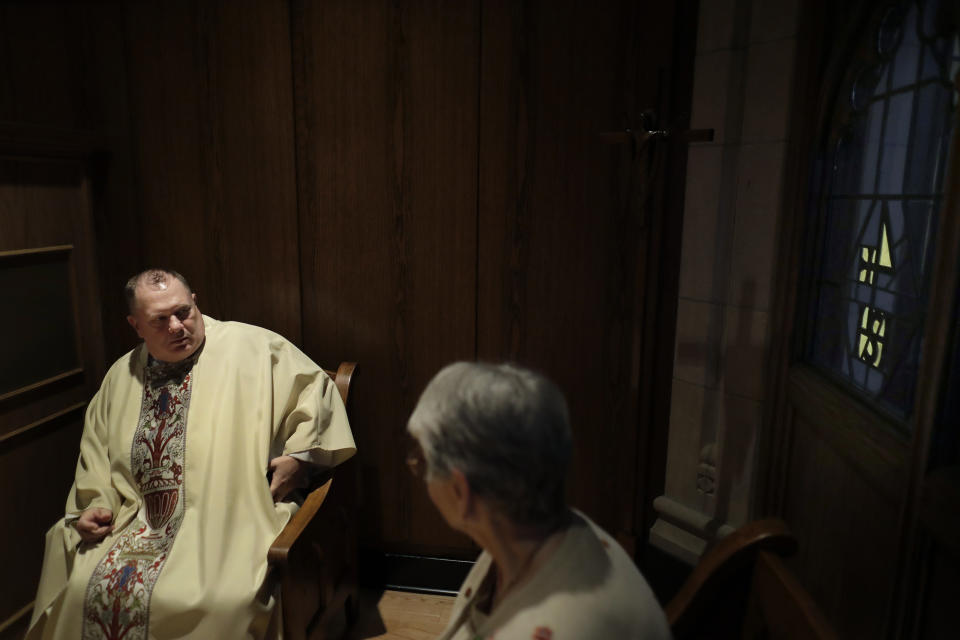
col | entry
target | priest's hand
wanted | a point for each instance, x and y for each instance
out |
(287, 473)
(93, 524)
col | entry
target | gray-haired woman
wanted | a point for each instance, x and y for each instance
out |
(494, 444)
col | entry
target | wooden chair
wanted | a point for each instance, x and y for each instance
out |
(315, 556)
(742, 589)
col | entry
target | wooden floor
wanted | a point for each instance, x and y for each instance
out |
(395, 615)
(384, 615)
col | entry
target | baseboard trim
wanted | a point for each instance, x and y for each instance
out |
(416, 574)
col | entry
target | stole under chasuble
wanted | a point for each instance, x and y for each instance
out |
(179, 453)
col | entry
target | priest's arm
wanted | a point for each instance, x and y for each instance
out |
(312, 431)
(93, 499)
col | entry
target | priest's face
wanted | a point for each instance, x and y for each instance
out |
(166, 316)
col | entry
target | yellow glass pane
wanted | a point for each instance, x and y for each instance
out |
(870, 349)
(885, 260)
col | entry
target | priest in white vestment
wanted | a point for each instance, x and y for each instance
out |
(189, 447)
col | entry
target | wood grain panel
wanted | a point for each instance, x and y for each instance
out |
(63, 95)
(116, 215)
(846, 526)
(212, 108)
(45, 346)
(386, 97)
(871, 443)
(561, 247)
(44, 203)
(33, 501)
(41, 65)
(61, 72)
(938, 598)
(33, 198)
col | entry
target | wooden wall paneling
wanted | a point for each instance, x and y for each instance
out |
(36, 471)
(348, 187)
(937, 600)
(45, 350)
(872, 444)
(34, 195)
(45, 201)
(845, 483)
(60, 70)
(212, 105)
(559, 244)
(40, 202)
(116, 214)
(440, 219)
(41, 65)
(846, 528)
(386, 97)
(165, 85)
(63, 70)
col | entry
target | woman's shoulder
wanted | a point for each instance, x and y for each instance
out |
(586, 616)
(594, 590)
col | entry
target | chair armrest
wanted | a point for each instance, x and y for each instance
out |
(280, 549)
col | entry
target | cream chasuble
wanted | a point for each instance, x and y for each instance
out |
(179, 453)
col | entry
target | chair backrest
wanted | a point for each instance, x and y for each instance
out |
(742, 589)
(342, 378)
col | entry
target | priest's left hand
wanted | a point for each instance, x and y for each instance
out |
(288, 474)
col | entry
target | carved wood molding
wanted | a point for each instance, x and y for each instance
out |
(41, 383)
(42, 421)
(20, 139)
(36, 250)
(36, 255)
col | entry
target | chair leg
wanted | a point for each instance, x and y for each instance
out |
(352, 608)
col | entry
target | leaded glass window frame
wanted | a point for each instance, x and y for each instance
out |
(876, 194)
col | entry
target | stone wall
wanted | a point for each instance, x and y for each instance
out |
(742, 89)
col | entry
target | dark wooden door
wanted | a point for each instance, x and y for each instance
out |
(456, 201)
(578, 247)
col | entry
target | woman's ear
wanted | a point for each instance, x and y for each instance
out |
(463, 495)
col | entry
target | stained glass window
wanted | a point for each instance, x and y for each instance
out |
(877, 208)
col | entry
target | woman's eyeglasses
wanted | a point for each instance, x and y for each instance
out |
(416, 461)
